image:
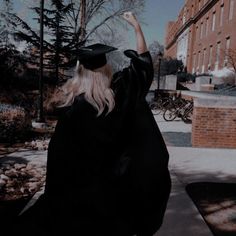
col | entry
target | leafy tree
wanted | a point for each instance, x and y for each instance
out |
(56, 47)
(171, 66)
(55, 21)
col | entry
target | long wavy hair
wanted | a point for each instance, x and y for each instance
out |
(95, 85)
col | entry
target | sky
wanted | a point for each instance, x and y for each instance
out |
(154, 18)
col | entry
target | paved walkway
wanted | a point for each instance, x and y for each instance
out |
(187, 165)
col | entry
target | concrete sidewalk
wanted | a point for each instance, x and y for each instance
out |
(187, 165)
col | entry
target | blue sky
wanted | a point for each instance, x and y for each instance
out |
(155, 17)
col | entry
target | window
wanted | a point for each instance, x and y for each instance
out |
(217, 55)
(218, 52)
(201, 31)
(213, 21)
(231, 9)
(194, 63)
(192, 11)
(203, 60)
(207, 25)
(221, 15)
(227, 44)
(210, 56)
(187, 14)
(184, 16)
(199, 5)
(197, 32)
(227, 47)
(199, 60)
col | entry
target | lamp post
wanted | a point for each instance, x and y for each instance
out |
(159, 70)
(40, 102)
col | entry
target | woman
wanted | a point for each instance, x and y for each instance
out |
(107, 169)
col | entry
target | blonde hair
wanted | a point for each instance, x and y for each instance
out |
(95, 85)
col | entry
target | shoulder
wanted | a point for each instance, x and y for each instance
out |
(143, 59)
(78, 109)
(81, 106)
(119, 78)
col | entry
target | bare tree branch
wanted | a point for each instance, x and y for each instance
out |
(230, 57)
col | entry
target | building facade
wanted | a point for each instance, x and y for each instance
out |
(203, 34)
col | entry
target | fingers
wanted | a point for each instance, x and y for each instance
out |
(127, 15)
(130, 18)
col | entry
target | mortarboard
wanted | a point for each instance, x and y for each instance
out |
(94, 56)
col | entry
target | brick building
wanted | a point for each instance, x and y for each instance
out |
(203, 34)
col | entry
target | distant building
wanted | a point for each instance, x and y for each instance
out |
(203, 34)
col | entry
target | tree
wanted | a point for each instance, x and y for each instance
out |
(55, 24)
(171, 66)
(156, 49)
(5, 26)
(55, 21)
(101, 14)
(230, 59)
(71, 23)
(12, 62)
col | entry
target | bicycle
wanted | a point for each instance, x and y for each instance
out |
(160, 103)
(181, 108)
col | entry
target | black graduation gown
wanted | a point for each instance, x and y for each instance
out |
(106, 175)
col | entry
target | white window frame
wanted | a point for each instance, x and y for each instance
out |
(231, 9)
(210, 56)
(207, 25)
(213, 26)
(227, 47)
(199, 61)
(203, 60)
(201, 30)
(194, 63)
(218, 46)
(221, 15)
(199, 5)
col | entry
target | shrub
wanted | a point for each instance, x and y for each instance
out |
(184, 77)
(14, 123)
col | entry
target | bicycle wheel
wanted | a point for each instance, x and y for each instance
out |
(169, 114)
(187, 116)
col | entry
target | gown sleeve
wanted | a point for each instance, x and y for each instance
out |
(147, 179)
(131, 85)
(141, 71)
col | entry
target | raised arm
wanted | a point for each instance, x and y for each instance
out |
(141, 43)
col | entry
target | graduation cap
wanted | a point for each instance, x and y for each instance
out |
(94, 56)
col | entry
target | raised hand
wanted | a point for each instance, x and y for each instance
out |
(130, 18)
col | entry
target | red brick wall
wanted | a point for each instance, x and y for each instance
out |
(172, 51)
(200, 44)
(214, 126)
